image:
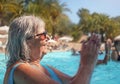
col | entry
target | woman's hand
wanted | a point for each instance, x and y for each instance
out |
(89, 50)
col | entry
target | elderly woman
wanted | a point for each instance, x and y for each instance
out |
(26, 47)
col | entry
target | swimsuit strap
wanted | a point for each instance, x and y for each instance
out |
(53, 75)
(11, 75)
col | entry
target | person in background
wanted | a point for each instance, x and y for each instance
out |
(116, 51)
(26, 47)
(107, 49)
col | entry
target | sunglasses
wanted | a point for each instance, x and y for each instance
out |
(42, 36)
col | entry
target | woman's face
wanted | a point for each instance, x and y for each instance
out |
(41, 40)
(39, 43)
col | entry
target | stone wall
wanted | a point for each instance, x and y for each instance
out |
(3, 38)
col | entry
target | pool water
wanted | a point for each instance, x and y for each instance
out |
(65, 62)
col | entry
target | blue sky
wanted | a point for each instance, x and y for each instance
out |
(108, 7)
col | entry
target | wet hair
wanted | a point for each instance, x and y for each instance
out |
(20, 29)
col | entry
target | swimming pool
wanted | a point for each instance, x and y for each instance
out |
(65, 62)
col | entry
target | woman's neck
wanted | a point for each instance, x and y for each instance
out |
(36, 62)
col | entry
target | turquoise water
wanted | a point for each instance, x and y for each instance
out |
(65, 62)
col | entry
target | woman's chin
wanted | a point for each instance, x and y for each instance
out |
(45, 52)
(44, 49)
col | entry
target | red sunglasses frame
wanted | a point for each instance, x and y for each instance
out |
(31, 37)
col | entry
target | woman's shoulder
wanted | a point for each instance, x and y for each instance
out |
(21, 66)
(10, 71)
(23, 69)
(26, 74)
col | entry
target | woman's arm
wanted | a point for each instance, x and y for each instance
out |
(89, 55)
(63, 77)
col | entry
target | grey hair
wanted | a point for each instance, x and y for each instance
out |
(20, 29)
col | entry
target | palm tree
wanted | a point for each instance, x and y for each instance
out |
(9, 9)
(85, 20)
(55, 10)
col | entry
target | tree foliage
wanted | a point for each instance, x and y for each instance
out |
(52, 12)
(98, 23)
(10, 9)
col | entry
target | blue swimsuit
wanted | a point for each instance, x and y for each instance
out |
(51, 72)
(10, 78)
(53, 75)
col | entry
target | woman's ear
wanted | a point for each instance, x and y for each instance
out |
(29, 42)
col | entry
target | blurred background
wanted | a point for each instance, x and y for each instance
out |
(57, 14)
